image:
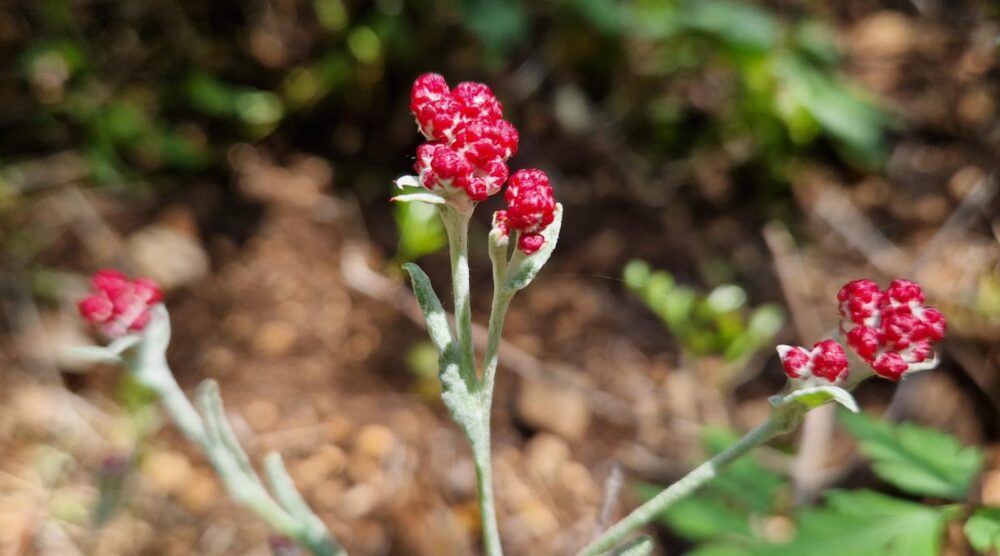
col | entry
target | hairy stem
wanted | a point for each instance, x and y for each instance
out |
(241, 483)
(501, 301)
(456, 225)
(484, 485)
(694, 480)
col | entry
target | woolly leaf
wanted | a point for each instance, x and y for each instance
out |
(815, 396)
(423, 197)
(458, 389)
(916, 459)
(523, 268)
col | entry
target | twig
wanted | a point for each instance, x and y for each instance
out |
(612, 489)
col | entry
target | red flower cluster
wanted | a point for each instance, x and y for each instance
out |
(825, 360)
(530, 208)
(468, 141)
(118, 305)
(889, 329)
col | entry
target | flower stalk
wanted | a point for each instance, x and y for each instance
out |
(464, 162)
(140, 327)
(691, 482)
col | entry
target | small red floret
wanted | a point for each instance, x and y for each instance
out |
(531, 207)
(470, 143)
(891, 329)
(826, 360)
(118, 305)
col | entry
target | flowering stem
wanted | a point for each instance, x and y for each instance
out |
(501, 301)
(212, 434)
(481, 448)
(456, 224)
(694, 480)
(484, 486)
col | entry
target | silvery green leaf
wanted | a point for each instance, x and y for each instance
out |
(121, 344)
(156, 336)
(421, 197)
(404, 182)
(815, 396)
(89, 355)
(434, 315)
(523, 268)
(457, 387)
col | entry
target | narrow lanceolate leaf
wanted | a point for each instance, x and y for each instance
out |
(916, 459)
(983, 530)
(523, 268)
(816, 396)
(92, 354)
(407, 182)
(457, 387)
(434, 315)
(422, 197)
(862, 522)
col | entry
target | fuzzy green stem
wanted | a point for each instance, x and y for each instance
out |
(691, 482)
(501, 301)
(481, 449)
(456, 224)
(484, 486)
(241, 481)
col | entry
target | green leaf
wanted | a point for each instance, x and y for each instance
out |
(458, 389)
(740, 26)
(863, 523)
(727, 506)
(706, 516)
(636, 273)
(983, 529)
(422, 197)
(499, 24)
(523, 268)
(722, 548)
(918, 460)
(434, 315)
(610, 17)
(745, 480)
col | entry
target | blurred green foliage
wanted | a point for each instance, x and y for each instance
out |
(769, 80)
(983, 530)
(166, 86)
(729, 516)
(718, 323)
(420, 231)
(915, 459)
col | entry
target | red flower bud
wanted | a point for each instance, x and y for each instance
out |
(530, 207)
(826, 360)
(890, 329)
(470, 142)
(118, 305)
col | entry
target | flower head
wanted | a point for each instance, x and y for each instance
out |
(891, 329)
(117, 305)
(530, 208)
(826, 360)
(468, 141)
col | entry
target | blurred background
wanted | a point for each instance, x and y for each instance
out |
(725, 166)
